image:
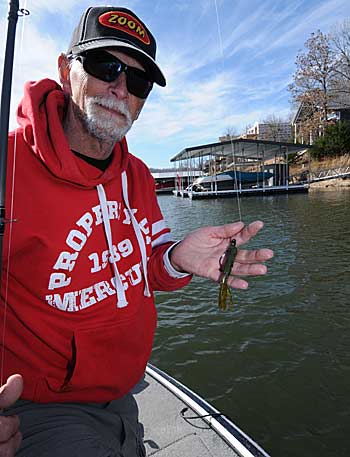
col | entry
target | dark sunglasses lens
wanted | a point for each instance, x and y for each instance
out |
(106, 67)
(101, 66)
(137, 83)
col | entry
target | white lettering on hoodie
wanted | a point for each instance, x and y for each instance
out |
(89, 296)
(76, 241)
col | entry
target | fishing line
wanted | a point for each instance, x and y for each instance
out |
(21, 12)
(219, 30)
(236, 180)
(232, 148)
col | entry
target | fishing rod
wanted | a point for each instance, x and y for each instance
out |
(14, 13)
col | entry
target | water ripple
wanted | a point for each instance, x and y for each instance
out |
(278, 363)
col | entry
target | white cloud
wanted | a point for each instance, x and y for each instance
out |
(299, 28)
(186, 107)
(35, 58)
(41, 7)
(206, 91)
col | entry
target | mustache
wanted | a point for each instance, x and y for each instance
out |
(107, 102)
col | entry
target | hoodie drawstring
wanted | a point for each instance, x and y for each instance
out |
(122, 301)
(138, 233)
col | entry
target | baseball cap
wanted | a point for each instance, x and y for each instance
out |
(113, 26)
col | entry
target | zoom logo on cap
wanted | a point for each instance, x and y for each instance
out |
(125, 23)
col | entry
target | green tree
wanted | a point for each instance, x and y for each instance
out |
(334, 142)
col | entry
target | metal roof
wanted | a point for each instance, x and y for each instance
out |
(338, 101)
(174, 173)
(240, 147)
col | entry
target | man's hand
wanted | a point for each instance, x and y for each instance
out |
(10, 436)
(200, 252)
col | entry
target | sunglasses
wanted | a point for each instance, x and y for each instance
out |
(106, 67)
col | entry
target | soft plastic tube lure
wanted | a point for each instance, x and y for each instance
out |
(226, 264)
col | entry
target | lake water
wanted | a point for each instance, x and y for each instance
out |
(278, 363)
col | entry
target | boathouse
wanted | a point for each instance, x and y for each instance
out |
(238, 166)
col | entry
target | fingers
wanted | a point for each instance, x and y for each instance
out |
(9, 426)
(253, 256)
(239, 231)
(244, 270)
(241, 269)
(249, 231)
(9, 448)
(246, 264)
(237, 283)
(11, 391)
(255, 269)
(228, 230)
(10, 436)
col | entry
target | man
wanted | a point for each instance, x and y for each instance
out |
(80, 320)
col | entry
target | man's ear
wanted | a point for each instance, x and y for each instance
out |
(64, 73)
(139, 111)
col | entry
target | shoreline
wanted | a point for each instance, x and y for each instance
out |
(318, 165)
(331, 184)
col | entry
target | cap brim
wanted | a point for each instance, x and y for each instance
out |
(151, 64)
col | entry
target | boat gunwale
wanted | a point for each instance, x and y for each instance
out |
(239, 441)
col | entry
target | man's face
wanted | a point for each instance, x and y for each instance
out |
(106, 109)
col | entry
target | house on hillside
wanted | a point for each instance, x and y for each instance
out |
(306, 119)
(270, 131)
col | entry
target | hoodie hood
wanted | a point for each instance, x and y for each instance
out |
(40, 114)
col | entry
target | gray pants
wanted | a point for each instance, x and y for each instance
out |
(80, 429)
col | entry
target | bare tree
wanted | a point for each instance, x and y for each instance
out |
(274, 128)
(340, 39)
(314, 78)
(230, 131)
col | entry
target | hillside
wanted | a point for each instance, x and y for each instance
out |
(318, 165)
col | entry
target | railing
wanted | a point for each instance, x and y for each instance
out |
(330, 173)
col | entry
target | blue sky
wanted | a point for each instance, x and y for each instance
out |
(228, 62)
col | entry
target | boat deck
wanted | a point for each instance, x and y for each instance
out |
(173, 429)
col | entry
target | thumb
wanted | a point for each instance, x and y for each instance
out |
(11, 391)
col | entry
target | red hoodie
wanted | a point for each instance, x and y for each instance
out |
(80, 263)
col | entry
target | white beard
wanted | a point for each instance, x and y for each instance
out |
(104, 125)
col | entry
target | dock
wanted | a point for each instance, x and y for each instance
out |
(263, 191)
(267, 160)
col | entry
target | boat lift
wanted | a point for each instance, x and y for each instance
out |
(245, 155)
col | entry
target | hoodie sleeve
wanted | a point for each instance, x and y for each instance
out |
(161, 274)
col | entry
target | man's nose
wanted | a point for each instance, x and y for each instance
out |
(118, 87)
